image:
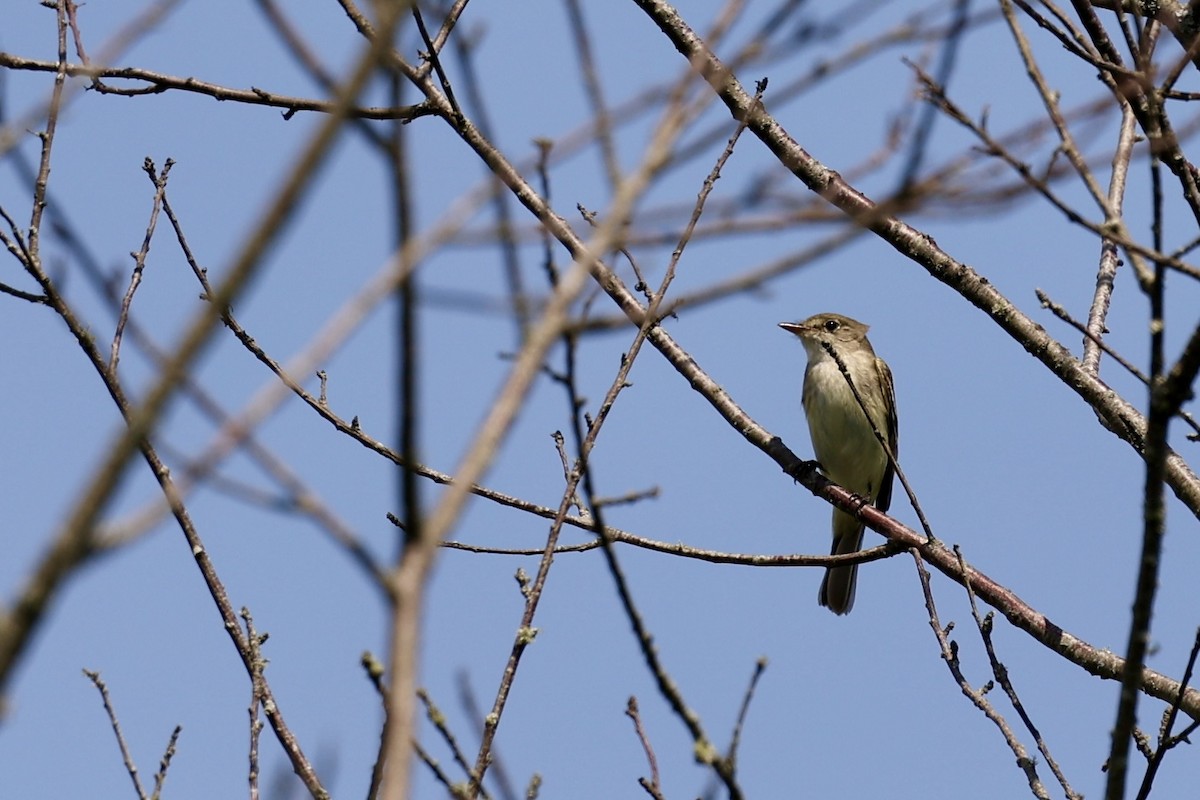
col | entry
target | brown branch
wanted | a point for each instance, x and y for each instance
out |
(158, 82)
(1166, 740)
(139, 258)
(652, 785)
(984, 624)
(254, 643)
(126, 756)
(438, 720)
(760, 666)
(949, 650)
(877, 553)
(1107, 271)
(1059, 311)
(453, 13)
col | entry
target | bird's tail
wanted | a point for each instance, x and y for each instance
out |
(837, 588)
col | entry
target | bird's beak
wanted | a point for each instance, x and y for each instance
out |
(794, 327)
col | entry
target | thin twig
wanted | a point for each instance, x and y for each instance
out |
(1059, 311)
(431, 55)
(159, 180)
(760, 666)
(879, 552)
(438, 720)
(1109, 261)
(1167, 741)
(1002, 676)
(949, 650)
(497, 771)
(126, 756)
(629, 498)
(652, 785)
(254, 641)
(164, 763)
(157, 82)
(1050, 99)
(453, 13)
(1113, 228)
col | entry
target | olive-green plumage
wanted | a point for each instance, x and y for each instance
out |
(843, 441)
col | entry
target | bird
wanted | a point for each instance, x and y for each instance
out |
(843, 440)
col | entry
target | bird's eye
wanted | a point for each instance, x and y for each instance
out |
(831, 325)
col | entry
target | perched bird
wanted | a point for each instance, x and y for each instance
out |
(842, 438)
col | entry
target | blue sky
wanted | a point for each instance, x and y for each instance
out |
(1007, 462)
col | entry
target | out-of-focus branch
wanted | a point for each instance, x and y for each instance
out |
(75, 537)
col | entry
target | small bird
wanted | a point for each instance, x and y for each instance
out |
(842, 438)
